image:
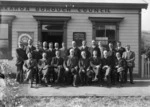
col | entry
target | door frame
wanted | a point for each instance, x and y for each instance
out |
(53, 19)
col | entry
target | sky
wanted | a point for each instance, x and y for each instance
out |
(146, 18)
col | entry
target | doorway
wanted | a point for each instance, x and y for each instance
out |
(52, 33)
(53, 37)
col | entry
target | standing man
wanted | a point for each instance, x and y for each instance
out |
(129, 56)
(101, 49)
(84, 69)
(30, 48)
(63, 51)
(20, 58)
(30, 67)
(71, 68)
(50, 51)
(57, 63)
(85, 48)
(95, 63)
(45, 48)
(94, 47)
(112, 56)
(120, 49)
(37, 53)
(76, 50)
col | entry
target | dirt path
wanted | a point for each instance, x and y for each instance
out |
(140, 88)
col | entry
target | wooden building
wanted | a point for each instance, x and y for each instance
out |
(67, 20)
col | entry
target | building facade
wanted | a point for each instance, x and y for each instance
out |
(65, 20)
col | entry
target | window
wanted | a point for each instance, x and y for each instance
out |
(6, 36)
(105, 33)
(4, 47)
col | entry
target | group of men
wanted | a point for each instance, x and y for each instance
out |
(76, 65)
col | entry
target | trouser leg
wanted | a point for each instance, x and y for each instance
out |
(82, 77)
(19, 74)
(131, 74)
(125, 75)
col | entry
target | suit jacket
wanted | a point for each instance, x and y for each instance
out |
(30, 64)
(63, 52)
(112, 55)
(95, 61)
(121, 63)
(20, 56)
(50, 53)
(57, 61)
(37, 54)
(84, 63)
(71, 62)
(120, 50)
(107, 61)
(101, 50)
(91, 49)
(130, 58)
(30, 49)
(86, 49)
(77, 52)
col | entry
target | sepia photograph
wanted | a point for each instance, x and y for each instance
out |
(74, 53)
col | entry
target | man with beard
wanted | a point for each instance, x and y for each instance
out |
(30, 48)
(30, 67)
(71, 68)
(84, 69)
(57, 63)
(85, 48)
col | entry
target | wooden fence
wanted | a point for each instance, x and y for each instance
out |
(145, 67)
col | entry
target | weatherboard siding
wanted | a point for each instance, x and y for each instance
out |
(128, 28)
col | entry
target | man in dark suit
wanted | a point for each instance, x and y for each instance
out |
(84, 69)
(120, 67)
(120, 49)
(63, 51)
(56, 45)
(106, 67)
(85, 48)
(101, 49)
(95, 63)
(20, 58)
(57, 63)
(37, 54)
(71, 68)
(30, 48)
(30, 66)
(94, 47)
(112, 56)
(43, 69)
(50, 51)
(129, 56)
(77, 52)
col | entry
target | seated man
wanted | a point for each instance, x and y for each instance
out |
(84, 69)
(95, 63)
(43, 69)
(106, 67)
(71, 68)
(120, 67)
(57, 63)
(30, 66)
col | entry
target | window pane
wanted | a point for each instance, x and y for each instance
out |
(110, 32)
(4, 49)
(3, 31)
(100, 31)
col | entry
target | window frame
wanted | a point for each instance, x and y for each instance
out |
(7, 19)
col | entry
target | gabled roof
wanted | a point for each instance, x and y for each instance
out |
(85, 3)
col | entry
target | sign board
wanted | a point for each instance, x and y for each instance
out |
(23, 37)
(79, 37)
